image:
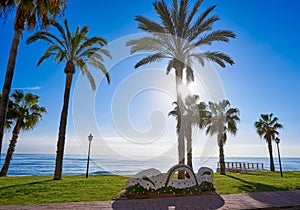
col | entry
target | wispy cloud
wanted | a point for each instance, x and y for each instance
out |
(28, 88)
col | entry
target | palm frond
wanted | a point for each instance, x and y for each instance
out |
(149, 59)
(90, 77)
(60, 30)
(51, 51)
(147, 25)
(45, 56)
(199, 56)
(174, 11)
(68, 33)
(219, 35)
(194, 11)
(165, 16)
(148, 44)
(169, 67)
(181, 20)
(94, 41)
(100, 66)
(189, 74)
(202, 24)
(219, 58)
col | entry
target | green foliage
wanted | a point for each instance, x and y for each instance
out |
(267, 126)
(25, 107)
(206, 186)
(223, 119)
(180, 30)
(32, 13)
(138, 191)
(77, 48)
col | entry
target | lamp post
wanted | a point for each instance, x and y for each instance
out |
(277, 140)
(90, 137)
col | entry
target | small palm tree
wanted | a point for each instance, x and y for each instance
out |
(223, 119)
(190, 118)
(180, 31)
(24, 113)
(194, 114)
(267, 126)
(27, 14)
(77, 51)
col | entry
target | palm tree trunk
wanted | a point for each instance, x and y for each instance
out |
(63, 123)
(11, 148)
(272, 166)
(8, 81)
(189, 144)
(180, 123)
(221, 157)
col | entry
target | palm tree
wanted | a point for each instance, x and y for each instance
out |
(267, 126)
(25, 114)
(77, 51)
(175, 38)
(28, 13)
(223, 119)
(194, 114)
(190, 118)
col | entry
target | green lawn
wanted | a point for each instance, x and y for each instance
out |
(257, 182)
(38, 190)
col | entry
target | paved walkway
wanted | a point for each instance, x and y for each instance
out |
(259, 200)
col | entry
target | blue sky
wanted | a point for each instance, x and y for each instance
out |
(265, 79)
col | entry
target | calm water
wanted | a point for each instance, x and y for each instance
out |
(42, 165)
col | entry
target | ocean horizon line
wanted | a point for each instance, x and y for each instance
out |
(106, 155)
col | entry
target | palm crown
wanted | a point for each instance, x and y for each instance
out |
(222, 120)
(24, 107)
(31, 12)
(267, 126)
(76, 49)
(178, 35)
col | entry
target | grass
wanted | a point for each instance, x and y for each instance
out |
(42, 190)
(39, 190)
(256, 182)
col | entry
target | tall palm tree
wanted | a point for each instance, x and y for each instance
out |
(223, 119)
(27, 14)
(25, 114)
(267, 126)
(77, 51)
(180, 31)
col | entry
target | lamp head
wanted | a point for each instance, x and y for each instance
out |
(277, 140)
(90, 137)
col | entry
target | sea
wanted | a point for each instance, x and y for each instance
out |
(44, 164)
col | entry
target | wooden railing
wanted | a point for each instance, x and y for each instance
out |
(241, 167)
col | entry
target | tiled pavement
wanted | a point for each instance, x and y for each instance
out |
(259, 200)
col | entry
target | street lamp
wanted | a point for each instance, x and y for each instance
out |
(90, 137)
(277, 140)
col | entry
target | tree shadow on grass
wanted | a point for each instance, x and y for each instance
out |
(211, 201)
(248, 186)
(25, 184)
